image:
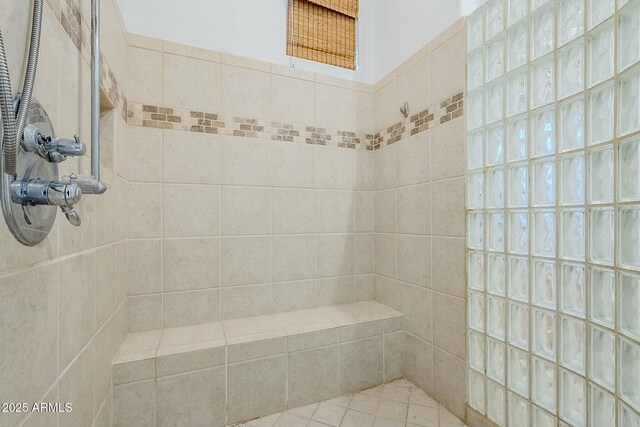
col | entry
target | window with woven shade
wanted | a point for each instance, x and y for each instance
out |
(323, 31)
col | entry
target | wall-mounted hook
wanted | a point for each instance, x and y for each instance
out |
(405, 110)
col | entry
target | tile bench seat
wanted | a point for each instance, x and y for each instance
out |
(226, 372)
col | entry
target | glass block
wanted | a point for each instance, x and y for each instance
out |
(542, 33)
(543, 132)
(495, 101)
(572, 184)
(475, 102)
(519, 325)
(495, 232)
(544, 384)
(628, 418)
(475, 191)
(603, 358)
(476, 351)
(519, 279)
(544, 183)
(630, 170)
(475, 29)
(518, 371)
(629, 110)
(476, 69)
(602, 408)
(544, 284)
(517, 95)
(495, 318)
(519, 233)
(573, 399)
(496, 275)
(542, 418)
(475, 151)
(496, 404)
(475, 270)
(572, 348)
(601, 175)
(476, 391)
(495, 188)
(495, 360)
(495, 58)
(518, 411)
(629, 376)
(572, 124)
(495, 145)
(518, 185)
(630, 305)
(476, 311)
(542, 82)
(572, 243)
(517, 10)
(544, 334)
(629, 36)
(599, 10)
(572, 289)
(571, 74)
(495, 18)
(601, 236)
(571, 20)
(544, 232)
(629, 227)
(601, 54)
(517, 46)
(602, 296)
(517, 137)
(475, 231)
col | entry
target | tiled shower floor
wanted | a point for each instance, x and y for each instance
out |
(397, 404)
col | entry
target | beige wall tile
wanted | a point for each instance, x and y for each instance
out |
(365, 174)
(418, 362)
(191, 158)
(385, 211)
(413, 156)
(144, 154)
(449, 382)
(145, 76)
(245, 161)
(293, 211)
(292, 100)
(449, 266)
(77, 387)
(361, 330)
(334, 255)
(365, 211)
(394, 356)
(190, 51)
(386, 245)
(413, 86)
(256, 388)
(245, 301)
(448, 207)
(138, 370)
(386, 107)
(414, 260)
(145, 312)
(204, 220)
(245, 260)
(365, 287)
(292, 165)
(245, 211)
(365, 248)
(334, 291)
(191, 83)
(386, 167)
(414, 209)
(191, 307)
(314, 375)
(361, 365)
(106, 283)
(244, 92)
(134, 404)
(144, 266)
(335, 211)
(448, 153)
(191, 264)
(106, 215)
(365, 113)
(416, 305)
(194, 360)
(448, 73)
(293, 258)
(145, 202)
(256, 349)
(196, 398)
(290, 296)
(314, 339)
(449, 324)
(334, 168)
(334, 107)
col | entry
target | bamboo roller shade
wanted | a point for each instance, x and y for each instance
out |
(323, 31)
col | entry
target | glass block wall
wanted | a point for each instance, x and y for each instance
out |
(554, 212)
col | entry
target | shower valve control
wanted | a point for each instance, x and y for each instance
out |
(53, 149)
(38, 192)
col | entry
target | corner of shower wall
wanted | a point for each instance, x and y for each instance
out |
(419, 183)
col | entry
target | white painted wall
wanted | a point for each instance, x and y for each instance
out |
(390, 31)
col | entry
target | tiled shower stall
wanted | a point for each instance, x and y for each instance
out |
(553, 223)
